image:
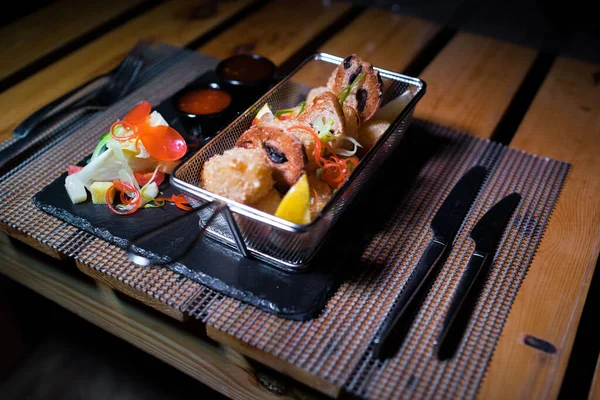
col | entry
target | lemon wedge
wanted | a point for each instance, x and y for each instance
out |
(295, 205)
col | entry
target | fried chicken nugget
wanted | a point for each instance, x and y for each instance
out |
(242, 175)
(269, 202)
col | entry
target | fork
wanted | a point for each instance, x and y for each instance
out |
(119, 83)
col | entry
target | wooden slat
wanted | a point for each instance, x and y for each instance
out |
(387, 40)
(51, 27)
(276, 31)
(218, 367)
(132, 292)
(173, 22)
(471, 83)
(30, 241)
(277, 364)
(563, 123)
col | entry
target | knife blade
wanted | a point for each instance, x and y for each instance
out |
(486, 234)
(444, 225)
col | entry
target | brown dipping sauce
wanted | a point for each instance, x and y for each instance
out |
(247, 69)
(204, 101)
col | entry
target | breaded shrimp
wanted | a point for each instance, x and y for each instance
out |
(242, 175)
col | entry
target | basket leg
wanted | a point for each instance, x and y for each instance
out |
(235, 232)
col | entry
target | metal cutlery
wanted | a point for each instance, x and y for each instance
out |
(445, 226)
(81, 92)
(486, 234)
(119, 83)
(91, 96)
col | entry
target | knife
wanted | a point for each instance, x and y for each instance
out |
(486, 234)
(445, 225)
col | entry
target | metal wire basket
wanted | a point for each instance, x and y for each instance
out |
(263, 236)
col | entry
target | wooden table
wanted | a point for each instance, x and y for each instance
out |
(543, 104)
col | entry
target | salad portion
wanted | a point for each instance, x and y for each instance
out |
(129, 163)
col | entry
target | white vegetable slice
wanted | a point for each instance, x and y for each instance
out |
(157, 119)
(76, 183)
(126, 173)
(148, 193)
(75, 190)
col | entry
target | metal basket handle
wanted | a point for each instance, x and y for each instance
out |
(140, 256)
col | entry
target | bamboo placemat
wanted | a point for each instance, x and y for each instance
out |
(336, 345)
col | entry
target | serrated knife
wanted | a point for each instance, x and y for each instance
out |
(486, 234)
(445, 225)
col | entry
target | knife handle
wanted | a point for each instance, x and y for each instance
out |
(389, 334)
(453, 326)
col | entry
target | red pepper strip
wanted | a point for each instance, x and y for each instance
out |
(179, 200)
(316, 200)
(124, 125)
(335, 170)
(318, 148)
(122, 187)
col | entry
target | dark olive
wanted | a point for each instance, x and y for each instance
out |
(353, 76)
(347, 62)
(361, 98)
(274, 154)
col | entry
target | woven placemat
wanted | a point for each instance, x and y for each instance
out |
(336, 345)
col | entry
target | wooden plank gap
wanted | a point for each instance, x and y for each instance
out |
(516, 110)
(226, 24)
(321, 38)
(430, 51)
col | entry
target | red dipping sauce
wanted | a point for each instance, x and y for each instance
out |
(204, 101)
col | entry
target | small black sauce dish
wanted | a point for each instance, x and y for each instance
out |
(246, 71)
(202, 126)
(191, 116)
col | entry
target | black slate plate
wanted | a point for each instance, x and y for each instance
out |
(290, 295)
